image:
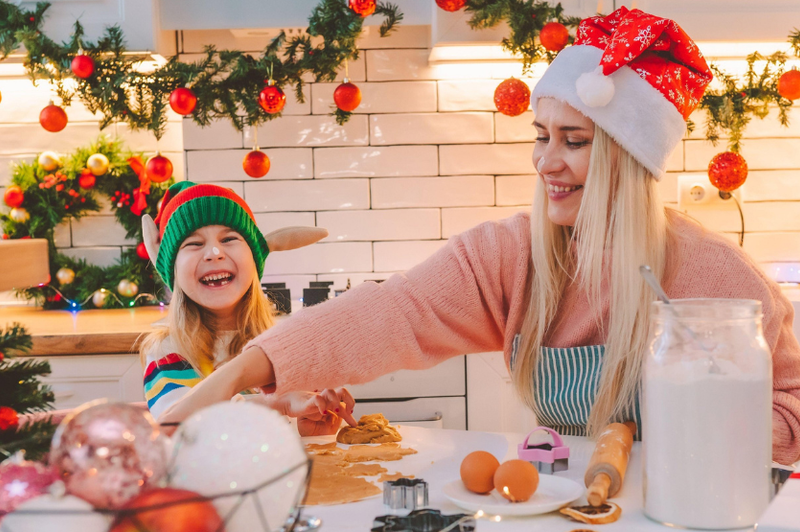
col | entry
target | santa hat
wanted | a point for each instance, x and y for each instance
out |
(637, 76)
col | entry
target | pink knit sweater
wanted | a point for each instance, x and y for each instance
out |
(469, 297)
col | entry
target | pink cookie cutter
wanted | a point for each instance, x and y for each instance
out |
(548, 458)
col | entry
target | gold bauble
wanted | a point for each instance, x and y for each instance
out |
(127, 288)
(97, 164)
(100, 297)
(20, 215)
(49, 161)
(65, 276)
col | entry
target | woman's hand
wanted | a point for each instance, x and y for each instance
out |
(317, 414)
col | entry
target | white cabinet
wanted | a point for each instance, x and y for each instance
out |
(492, 403)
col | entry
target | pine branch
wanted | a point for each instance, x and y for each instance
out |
(794, 40)
(15, 340)
(33, 438)
(392, 15)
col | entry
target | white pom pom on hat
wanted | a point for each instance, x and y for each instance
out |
(594, 88)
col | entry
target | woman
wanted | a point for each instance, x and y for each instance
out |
(559, 288)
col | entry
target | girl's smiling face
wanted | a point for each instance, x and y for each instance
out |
(561, 157)
(215, 268)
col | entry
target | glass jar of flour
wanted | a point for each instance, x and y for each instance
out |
(707, 414)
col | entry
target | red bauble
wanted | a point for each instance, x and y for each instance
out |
(362, 7)
(451, 5)
(9, 420)
(789, 84)
(256, 163)
(727, 171)
(82, 66)
(512, 97)
(158, 168)
(163, 510)
(86, 180)
(554, 36)
(183, 101)
(272, 99)
(141, 251)
(53, 118)
(14, 196)
(347, 96)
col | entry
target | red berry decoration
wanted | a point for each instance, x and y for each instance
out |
(87, 179)
(256, 163)
(183, 101)
(512, 97)
(14, 196)
(158, 168)
(347, 96)
(554, 36)
(9, 420)
(53, 118)
(82, 66)
(272, 99)
(362, 7)
(727, 171)
(451, 5)
(141, 251)
(789, 84)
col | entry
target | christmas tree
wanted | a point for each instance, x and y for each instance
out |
(22, 393)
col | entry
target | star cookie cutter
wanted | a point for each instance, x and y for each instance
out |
(405, 493)
(424, 521)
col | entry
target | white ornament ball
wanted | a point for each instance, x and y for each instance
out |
(595, 89)
(127, 288)
(235, 446)
(20, 215)
(97, 164)
(100, 297)
(65, 276)
(49, 161)
(48, 512)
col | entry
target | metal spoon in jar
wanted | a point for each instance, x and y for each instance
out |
(647, 273)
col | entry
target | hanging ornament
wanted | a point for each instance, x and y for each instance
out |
(141, 251)
(49, 161)
(65, 276)
(256, 163)
(169, 510)
(100, 297)
(554, 36)
(82, 65)
(362, 7)
(347, 96)
(789, 84)
(727, 171)
(183, 101)
(271, 98)
(87, 179)
(158, 168)
(53, 118)
(9, 420)
(20, 215)
(98, 164)
(127, 288)
(13, 196)
(451, 5)
(512, 97)
(21, 480)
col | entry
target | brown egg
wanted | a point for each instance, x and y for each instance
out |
(516, 480)
(477, 471)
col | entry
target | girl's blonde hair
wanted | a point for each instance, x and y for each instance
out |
(193, 331)
(621, 224)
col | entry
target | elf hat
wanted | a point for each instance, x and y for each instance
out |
(637, 76)
(187, 207)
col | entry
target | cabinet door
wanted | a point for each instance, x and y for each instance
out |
(445, 379)
(492, 403)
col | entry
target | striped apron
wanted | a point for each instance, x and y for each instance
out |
(566, 387)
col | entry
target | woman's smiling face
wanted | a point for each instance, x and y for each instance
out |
(561, 157)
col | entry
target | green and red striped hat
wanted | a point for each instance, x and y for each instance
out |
(189, 206)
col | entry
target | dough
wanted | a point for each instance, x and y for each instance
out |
(364, 470)
(385, 452)
(373, 428)
(330, 486)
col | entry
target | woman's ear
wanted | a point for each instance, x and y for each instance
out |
(294, 237)
(150, 236)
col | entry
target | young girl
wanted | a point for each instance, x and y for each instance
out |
(209, 252)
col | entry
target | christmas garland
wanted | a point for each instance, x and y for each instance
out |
(52, 189)
(223, 85)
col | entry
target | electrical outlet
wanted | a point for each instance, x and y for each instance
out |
(695, 191)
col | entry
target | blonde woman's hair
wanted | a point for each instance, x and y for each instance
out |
(193, 331)
(621, 224)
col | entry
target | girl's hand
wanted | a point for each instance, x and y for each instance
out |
(318, 413)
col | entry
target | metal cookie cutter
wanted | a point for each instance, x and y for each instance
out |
(405, 493)
(548, 458)
(424, 521)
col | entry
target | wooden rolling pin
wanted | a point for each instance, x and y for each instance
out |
(610, 460)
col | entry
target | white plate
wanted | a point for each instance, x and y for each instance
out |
(553, 493)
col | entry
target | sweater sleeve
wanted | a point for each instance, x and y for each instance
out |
(167, 378)
(454, 303)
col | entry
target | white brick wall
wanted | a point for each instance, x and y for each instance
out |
(423, 158)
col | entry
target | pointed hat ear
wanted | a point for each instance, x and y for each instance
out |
(150, 236)
(294, 237)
